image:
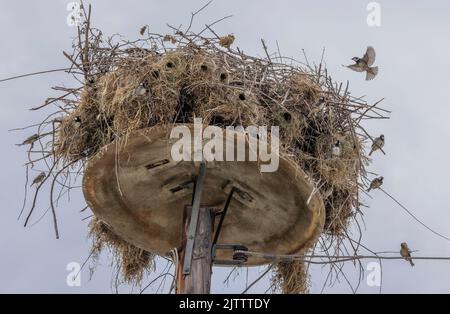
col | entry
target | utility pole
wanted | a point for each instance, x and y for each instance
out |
(195, 267)
(198, 280)
(198, 248)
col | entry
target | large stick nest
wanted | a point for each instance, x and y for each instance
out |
(160, 79)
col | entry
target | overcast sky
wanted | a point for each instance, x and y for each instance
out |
(412, 52)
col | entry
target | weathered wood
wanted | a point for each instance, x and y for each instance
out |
(140, 191)
(199, 279)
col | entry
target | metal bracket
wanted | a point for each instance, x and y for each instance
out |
(194, 219)
(238, 258)
(222, 216)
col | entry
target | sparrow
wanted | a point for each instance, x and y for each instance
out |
(38, 178)
(141, 90)
(378, 143)
(406, 253)
(365, 64)
(226, 41)
(375, 184)
(77, 121)
(328, 193)
(142, 30)
(170, 38)
(30, 140)
(336, 149)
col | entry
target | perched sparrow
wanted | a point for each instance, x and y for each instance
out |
(142, 30)
(406, 253)
(33, 138)
(141, 91)
(365, 64)
(170, 38)
(226, 41)
(77, 121)
(328, 193)
(378, 143)
(336, 149)
(39, 178)
(375, 184)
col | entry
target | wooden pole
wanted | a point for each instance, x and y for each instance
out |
(198, 281)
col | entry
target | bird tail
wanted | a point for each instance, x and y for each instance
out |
(371, 73)
(411, 262)
(371, 151)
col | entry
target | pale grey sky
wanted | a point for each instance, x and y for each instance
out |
(412, 53)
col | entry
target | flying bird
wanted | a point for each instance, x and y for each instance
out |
(336, 149)
(375, 184)
(30, 140)
(365, 63)
(38, 178)
(406, 253)
(378, 143)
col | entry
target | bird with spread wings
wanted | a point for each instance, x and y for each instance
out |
(365, 63)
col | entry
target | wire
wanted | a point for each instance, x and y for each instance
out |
(331, 259)
(414, 217)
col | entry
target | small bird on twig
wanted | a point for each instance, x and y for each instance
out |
(365, 64)
(328, 192)
(38, 178)
(141, 90)
(378, 143)
(30, 140)
(375, 184)
(406, 253)
(336, 149)
(227, 41)
(142, 30)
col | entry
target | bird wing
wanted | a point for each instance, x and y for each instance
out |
(371, 73)
(39, 178)
(403, 252)
(377, 143)
(374, 146)
(369, 56)
(355, 67)
(380, 142)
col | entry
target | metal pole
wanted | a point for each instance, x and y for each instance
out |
(194, 219)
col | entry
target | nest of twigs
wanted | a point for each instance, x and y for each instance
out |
(132, 262)
(291, 277)
(160, 79)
